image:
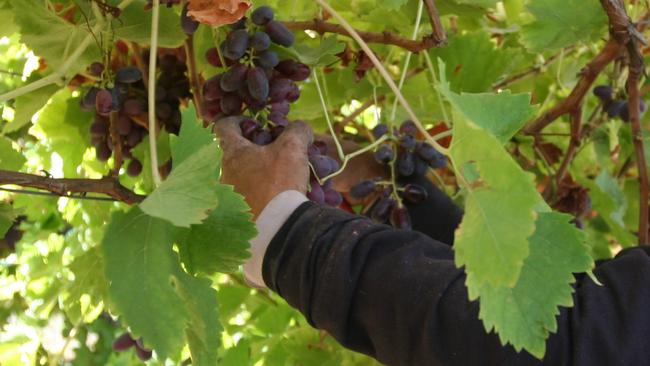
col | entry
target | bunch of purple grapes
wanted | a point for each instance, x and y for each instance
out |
(408, 157)
(125, 342)
(127, 100)
(615, 107)
(260, 87)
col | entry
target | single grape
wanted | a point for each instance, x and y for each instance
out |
(363, 189)
(316, 193)
(262, 137)
(143, 354)
(408, 142)
(212, 88)
(280, 34)
(279, 89)
(294, 70)
(212, 56)
(278, 119)
(408, 128)
(96, 69)
(128, 75)
(123, 125)
(123, 343)
(322, 146)
(240, 24)
(400, 218)
(322, 165)
(248, 126)
(211, 110)
(421, 166)
(313, 150)
(231, 104)
(135, 168)
(117, 98)
(103, 152)
(625, 112)
(236, 44)
(262, 15)
(164, 111)
(188, 24)
(87, 102)
(332, 197)
(604, 92)
(405, 164)
(276, 131)
(381, 210)
(104, 102)
(260, 41)
(134, 107)
(294, 93)
(384, 154)
(380, 130)
(429, 154)
(134, 138)
(267, 59)
(281, 107)
(258, 84)
(415, 193)
(614, 108)
(234, 78)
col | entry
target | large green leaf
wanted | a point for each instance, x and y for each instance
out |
(135, 25)
(192, 137)
(10, 159)
(189, 193)
(559, 23)
(221, 243)
(7, 217)
(525, 314)
(492, 240)
(27, 105)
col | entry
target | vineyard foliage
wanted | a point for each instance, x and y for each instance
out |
(155, 252)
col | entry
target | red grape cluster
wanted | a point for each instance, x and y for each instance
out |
(126, 97)
(260, 87)
(125, 342)
(615, 107)
(408, 157)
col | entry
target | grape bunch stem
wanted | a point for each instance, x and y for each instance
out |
(153, 56)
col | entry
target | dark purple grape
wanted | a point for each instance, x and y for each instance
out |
(99, 128)
(212, 88)
(321, 146)
(231, 104)
(135, 168)
(267, 59)
(134, 138)
(604, 92)
(188, 24)
(248, 126)
(117, 98)
(405, 164)
(280, 34)
(164, 111)
(236, 45)
(293, 94)
(211, 110)
(96, 69)
(128, 75)
(414, 193)
(316, 193)
(134, 107)
(276, 131)
(625, 110)
(262, 137)
(429, 154)
(281, 107)
(143, 354)
(294, 70)
(407, 142)
(260, 41)
(123, 343)
(104, 102)
(313, 150)
(384, 154)
(363, 189)
(123, 125)
(381, 210)
(380, 130)
(103, 152)
(322, 165)
(279, 89)
(87, 102)
(278, 119)
(258, 84)
(400, 218)
(234, 78)
(614, 108)
(240, 24)
(332, 197)
(408, 128)
(262, 15)
(212, 56)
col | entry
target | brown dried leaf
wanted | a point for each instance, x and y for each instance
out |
(218, 12)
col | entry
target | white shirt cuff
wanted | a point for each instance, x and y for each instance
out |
(274, 215)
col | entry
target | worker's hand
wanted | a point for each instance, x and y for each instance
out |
(259, 173)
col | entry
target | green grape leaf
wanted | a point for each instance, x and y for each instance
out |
(481, 3)
(27, 105)
(500, 196)
(221, 243)
(140, 265)
(51, 37)
(323, 55)
(464, 65)
(560, 23)
(89, 280)
(135, 25)
(7, 217)
(525, 314)
(189, 193)
(192, 137)
(10, 159)
(503, 114)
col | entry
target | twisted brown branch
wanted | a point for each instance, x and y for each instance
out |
(108, 186)
(439, 33)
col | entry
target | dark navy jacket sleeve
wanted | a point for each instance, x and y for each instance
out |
(397, 296)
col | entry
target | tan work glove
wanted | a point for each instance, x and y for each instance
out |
(259, 173)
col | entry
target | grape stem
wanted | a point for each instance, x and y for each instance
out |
(193, 76)
(60, 74)
(346, 159)
(384, 73)
(153, 56)
(339, 148)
